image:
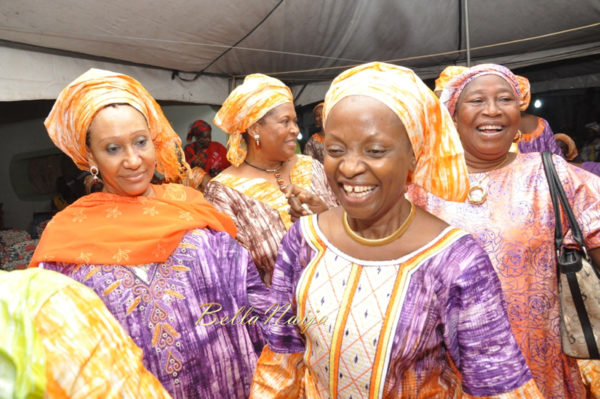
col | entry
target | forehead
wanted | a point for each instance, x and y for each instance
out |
(364, 114)
(282, 109)
(488, 82)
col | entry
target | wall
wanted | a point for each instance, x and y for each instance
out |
(30, 135)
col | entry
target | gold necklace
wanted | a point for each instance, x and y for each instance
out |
(379, 241)
(477, 192)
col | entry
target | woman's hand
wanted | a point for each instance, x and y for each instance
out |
(303, 202)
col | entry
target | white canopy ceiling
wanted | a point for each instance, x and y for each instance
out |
(193, 50)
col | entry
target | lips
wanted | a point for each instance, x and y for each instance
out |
(134, 178)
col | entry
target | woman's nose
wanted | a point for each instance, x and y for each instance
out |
(132, 159)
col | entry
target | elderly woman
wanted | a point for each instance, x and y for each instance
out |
(266, 176)
(60, 341)
(510, 213)
(314, 146)
(386, 299)
(156, 255)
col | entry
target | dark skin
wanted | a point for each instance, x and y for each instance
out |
(367, 149)
(489, 101)
(277, 131)
(202, 142)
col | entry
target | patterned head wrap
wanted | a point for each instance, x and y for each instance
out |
(572, 151)
(245, 106)
(448, 73)
(197, 129)
(525, 90)
(457, 84)
(441, 167)
(78, 103)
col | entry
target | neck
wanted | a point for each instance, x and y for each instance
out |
(256, 160)
(477, 165)
(383, 226)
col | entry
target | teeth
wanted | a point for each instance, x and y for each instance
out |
(357, 191)
(490, 127)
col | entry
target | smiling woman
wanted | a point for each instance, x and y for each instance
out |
(397, 291)
(268, 186)
(510, 213)
(155, 254)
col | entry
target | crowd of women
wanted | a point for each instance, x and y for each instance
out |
(416, 260)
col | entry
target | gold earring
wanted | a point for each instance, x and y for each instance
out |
(518, 137)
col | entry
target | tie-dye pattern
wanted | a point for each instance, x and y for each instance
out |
(389, 329)
(515, 225)
(67, 344)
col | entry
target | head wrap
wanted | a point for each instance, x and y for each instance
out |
(448, 73)
(440, 167)
(457, 84)
(197, 129)
(572, 151)
(78, 103)
(245, 106)
(525, 90)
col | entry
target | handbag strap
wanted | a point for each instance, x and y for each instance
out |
(557, 192)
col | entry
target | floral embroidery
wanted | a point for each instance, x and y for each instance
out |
(122, 255)
(113, 212)
(85, 256)
(79, 217)
(185, 215)
(151, 211)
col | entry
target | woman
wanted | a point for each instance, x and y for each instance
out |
(60, 341)
(266, 176)
(204, 153)
(510, 213)
(314, 146)
(391, 301)
(536, 134)
(158, 256)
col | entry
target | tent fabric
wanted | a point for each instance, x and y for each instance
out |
(192, 50)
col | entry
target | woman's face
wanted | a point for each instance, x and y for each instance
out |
(487, 118)
(121, 147)
(277, 130)
(367, 157)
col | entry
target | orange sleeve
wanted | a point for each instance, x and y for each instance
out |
(88, 354)
(278, 375)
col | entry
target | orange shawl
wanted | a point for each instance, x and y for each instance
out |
(109, 229)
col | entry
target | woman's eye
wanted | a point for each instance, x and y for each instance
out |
(476, 100)
(141, 141)
(112, 149)
(506, 99)
(377, 152)
(334, 150)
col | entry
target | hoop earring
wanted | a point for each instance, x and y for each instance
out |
(518, 137)
(257, 138)
(94, 171)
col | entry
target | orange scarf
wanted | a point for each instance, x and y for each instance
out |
(109, 229)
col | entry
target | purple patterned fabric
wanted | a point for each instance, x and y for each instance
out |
(540, 140)
(592, 167)
(161, 306)
(515, 225)
(453, 306)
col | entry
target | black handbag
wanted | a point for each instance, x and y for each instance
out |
(578, 279)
